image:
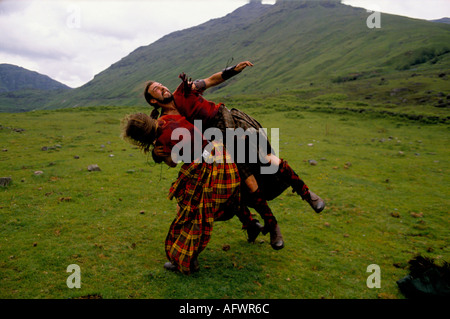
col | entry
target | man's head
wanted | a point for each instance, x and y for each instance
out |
(156, 94)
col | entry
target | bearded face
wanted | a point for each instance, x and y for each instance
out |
(160, 93)
(167, 97)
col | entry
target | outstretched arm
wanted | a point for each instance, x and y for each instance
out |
(222, 76)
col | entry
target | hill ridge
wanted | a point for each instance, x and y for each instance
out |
(14, 78)
(291, 43)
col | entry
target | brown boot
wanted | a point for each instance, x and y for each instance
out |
(253, 230)
(276, 239)
(315, 202)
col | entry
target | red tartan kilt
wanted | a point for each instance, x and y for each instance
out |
(203, 192)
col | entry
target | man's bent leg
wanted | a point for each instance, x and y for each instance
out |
(256, 200)
(288, 175)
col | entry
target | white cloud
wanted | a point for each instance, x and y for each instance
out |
(71, 41)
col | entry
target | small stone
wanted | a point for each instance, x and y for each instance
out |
(226, 247)
(37, 173)
(93, 167)
(395, 214)
(76, 157)
(346, 235)
(312, 162)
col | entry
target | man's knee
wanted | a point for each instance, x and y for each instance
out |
(251, 183)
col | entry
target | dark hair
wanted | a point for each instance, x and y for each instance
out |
(139, 129)
(147, 94)
(155, 113)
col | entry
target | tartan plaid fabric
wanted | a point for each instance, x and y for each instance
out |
(271, 185)
(226, 119)
(257, 201)
(290, 177)
(202, 191)
(223, 120)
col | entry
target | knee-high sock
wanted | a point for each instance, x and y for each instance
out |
(257, 201)
(290, 177)
(245, 217)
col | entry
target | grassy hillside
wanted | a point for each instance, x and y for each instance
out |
(15, 78)
(23, 90)
(385, 181)
(27, 100)
(292, 44)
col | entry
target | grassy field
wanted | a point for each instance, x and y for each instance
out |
(385, 180)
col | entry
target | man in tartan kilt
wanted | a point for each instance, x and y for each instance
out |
(187, 100)
(207, 188)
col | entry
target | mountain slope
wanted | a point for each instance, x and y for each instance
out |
(442, 20)
(15, 78)
(23, 90)
(290, 43)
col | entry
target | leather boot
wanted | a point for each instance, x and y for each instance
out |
(253, 230)
(276, 239)
(315, 202)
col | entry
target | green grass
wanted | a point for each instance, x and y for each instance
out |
(113, 223)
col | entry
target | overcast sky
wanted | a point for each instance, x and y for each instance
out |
(71, 41)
